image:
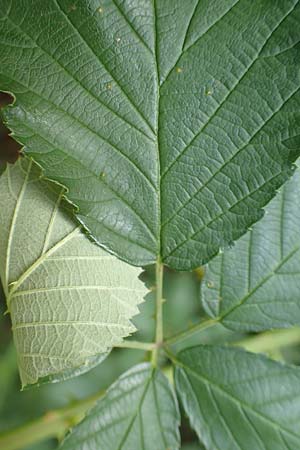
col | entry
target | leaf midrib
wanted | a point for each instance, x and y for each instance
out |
(154, 133)
(135, 414)
(105, 401)
(159, 160)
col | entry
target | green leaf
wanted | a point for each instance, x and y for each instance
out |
(138, 412)
(89, 364)
(170, 123)
(69, 300)
(239, 401)
(255, 285)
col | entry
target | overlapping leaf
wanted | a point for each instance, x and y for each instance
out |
(171, 123)
(239, 401)
(138, 412)
(256, 284)
(69, 300)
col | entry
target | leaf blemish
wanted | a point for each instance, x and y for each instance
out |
(179, 69)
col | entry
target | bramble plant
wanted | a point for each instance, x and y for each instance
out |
(155, 132)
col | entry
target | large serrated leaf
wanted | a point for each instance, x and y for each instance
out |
(138, 412)
(69, 300)
(171, 123)
(239, 401)
(256, 284)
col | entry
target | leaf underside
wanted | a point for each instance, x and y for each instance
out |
(69, 300)
(239, 401)
(139, 411)
(170, 123)
(255, 285)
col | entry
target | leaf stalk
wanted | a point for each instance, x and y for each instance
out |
(159, 335)
(137, 345)
(190, 331)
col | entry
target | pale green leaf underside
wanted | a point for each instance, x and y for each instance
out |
(256, 284)
(239, 401)
(69, 300)
(138, 412)
(171, 123)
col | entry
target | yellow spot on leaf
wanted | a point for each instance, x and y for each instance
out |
(200, 272)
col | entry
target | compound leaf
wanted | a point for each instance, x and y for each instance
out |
(239, 401)
(69, 300)
(139, 411)
(255, 285)
(170, 123)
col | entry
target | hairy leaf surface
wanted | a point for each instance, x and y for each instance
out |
(256, 284)
(171, 123)
(139, 411)
(239, 401)
(69, 300)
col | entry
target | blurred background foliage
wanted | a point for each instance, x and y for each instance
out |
(182, 309)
